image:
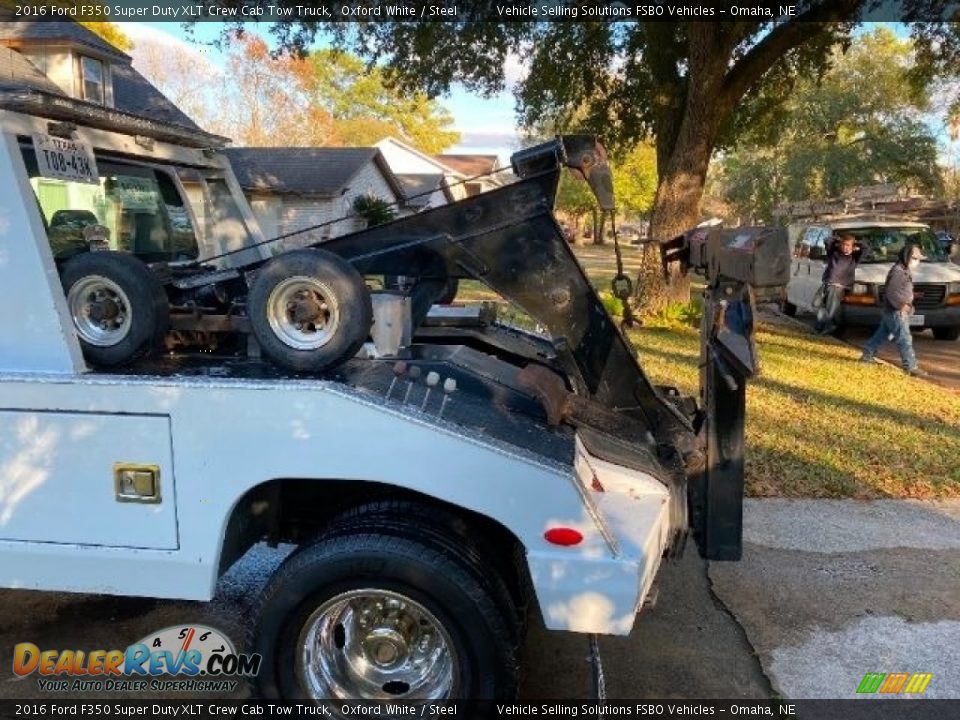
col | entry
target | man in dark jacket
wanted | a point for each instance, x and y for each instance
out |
(843, 254)
(898, 306)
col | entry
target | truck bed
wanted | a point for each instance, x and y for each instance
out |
(485, 401)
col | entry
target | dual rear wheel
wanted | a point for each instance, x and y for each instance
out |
(377, 609)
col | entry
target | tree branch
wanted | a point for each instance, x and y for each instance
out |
(783, 38)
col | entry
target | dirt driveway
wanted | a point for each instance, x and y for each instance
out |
(941, 358)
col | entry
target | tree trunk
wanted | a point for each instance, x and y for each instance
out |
(683, 156)
(597, 227)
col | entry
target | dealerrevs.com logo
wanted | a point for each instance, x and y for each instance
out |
(201, 658)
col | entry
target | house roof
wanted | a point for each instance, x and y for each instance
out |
(417, 188)
(136, 101)
(13, 33)
(469, 165)
(133, 93)
(324, 171)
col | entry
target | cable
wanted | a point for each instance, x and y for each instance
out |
(311, 228)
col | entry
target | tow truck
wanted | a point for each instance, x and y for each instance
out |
(439, 471)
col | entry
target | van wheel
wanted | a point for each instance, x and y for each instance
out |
(367, 616)
(789, 309)
(309, 310)
(946, 333)
(118, 306)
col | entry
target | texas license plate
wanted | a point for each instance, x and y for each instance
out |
(916, 320)
(65, 159)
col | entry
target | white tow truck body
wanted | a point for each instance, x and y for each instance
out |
(136, 482)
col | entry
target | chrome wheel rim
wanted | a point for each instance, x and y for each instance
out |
(303, 313)
(100, 310)
(375, 645)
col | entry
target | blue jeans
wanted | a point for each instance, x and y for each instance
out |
(897, 325)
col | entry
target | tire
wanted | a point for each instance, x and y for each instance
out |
(946, 333)
(449, 534)
(119, 308)
(336, 581)
(789, 309)
(324, 287)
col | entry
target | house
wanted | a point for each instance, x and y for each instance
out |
(424, 191)
(415, 169)
(65, 72)
(301, 188)
(480, 172)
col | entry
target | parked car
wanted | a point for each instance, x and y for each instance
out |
(936, 281)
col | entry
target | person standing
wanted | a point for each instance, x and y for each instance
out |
(898, 306)
(843, 255)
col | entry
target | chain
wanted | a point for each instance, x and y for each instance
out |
(622, 285)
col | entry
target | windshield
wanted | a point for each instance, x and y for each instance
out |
(882, 244)
(139, 205)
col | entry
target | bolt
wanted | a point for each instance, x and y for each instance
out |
(449, 387)
(432, 379)
(399, 368)
(414, 375)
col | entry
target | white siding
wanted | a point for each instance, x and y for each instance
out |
(404, 161)
(57, 64)
(407, 161)
(60, 65)
(283, 213)
(267, 211)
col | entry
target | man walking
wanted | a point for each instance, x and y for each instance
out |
(898, 306)
(843, 254)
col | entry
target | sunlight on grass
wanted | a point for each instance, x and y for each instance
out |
(818, 423)
(821, 425)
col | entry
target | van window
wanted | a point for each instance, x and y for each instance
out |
(140, 206)
(883, 244)
(813, 237)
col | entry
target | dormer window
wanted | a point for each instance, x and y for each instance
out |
(91, 80)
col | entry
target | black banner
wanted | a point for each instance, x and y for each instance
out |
(863, 709)
(464, 10)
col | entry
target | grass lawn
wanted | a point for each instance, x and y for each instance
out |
(819, 424)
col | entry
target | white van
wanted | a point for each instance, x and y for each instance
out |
(936, 281)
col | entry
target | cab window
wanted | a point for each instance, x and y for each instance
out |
(140, 207)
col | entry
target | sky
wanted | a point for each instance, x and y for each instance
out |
(486, 125)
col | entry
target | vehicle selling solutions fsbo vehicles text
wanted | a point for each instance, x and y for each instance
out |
(548, 11)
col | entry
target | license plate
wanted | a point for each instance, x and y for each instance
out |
(916, 320)
(65, 159)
